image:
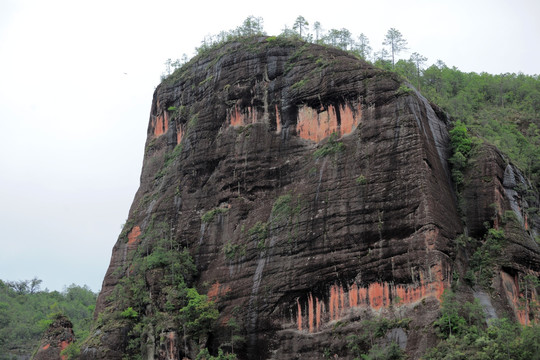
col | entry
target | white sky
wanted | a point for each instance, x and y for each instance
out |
(76, 85)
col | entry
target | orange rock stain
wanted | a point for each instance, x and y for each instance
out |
(299, 315)
(349, 119)
(342, 297)
(278, 120)
(318, 310)
(311, 315)
(64, 344)
(170, 349)
(353, 295)
(133, 236)
(316, 125)
(311, 124)
(334, 305)
(249, 115)
(375, 296)
(217, 290)
(519, 303)
(161, 124)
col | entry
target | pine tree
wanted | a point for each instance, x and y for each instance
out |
(396, 42)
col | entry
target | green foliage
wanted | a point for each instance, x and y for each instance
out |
(460, 139)
(199, 314)
(168, 160)
(458, 319)
(300, 25)
(510, 216)
(487, 256)
(71, 352)
(209, 216)
(397, 43)
(129, 313)
(363, 343)
(283, 40)
(204, 354)
(299, 84)
(293, 59)
(259, 233)
(180, 306)
(282, 207)
(232, 251)
(501, 340)
(465, 335)
(461, 147)
(234, 326)
(331, 147)
(285, 217)
(340, 38)
(404, 90)
(361, 180)
(26, 312)
(208, 79)
(390, 352)
(502, 109)
(157, 253)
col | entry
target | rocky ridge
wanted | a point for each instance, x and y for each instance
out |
(313, 191)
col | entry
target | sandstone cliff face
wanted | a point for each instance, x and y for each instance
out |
(313, 191)
(57, 337)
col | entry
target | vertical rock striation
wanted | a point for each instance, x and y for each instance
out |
(310, 188)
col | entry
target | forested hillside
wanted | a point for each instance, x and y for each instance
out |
(501, 109)
(26, 311)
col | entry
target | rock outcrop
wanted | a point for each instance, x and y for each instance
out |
(57, 337)
(312, 191)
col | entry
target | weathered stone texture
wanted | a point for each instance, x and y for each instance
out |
(57, 337)
(369, 212)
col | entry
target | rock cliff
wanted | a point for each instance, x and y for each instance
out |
(57, 337)
(312, 192)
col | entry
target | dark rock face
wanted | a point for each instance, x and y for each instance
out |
(57, 337)
(331, 194)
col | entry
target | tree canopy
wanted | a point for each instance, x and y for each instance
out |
(397, 43)
(300, 25)
(26, 312)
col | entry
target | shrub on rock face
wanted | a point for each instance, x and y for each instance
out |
(129, 313)
(199, 314)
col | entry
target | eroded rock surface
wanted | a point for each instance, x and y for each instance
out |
(57, 337)
(332, 198)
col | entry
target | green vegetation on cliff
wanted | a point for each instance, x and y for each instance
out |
(465, 334)
(502, 109)
(180, 306)
(26, 312)
(159, 293)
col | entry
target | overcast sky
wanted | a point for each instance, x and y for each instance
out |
(76, 85)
